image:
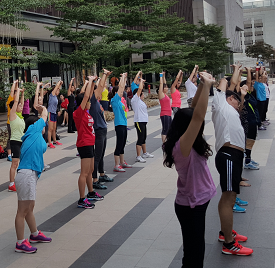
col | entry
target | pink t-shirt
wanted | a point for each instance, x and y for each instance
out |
(195, 183)
(26, 107)
(165, 105)
(176, 101)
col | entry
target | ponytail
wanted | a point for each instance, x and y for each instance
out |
(113, 92)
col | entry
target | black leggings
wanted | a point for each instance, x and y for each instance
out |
(192, 222)
(141, 132)
(261, 108)
(121, 137)
(71, 125)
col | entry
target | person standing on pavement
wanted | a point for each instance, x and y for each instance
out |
(191, 85)
(100, 128)
(230, 145)
(120, 124)
(52, 116)
(71, 105)
(29, 171)
(17, 125)
(140, 120)
(186, 148)
(175, 93)
(85, 145)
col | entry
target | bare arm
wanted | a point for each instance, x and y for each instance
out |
(197, 96)
(160, 92)
(188, 138)
(57, 86)
(196, 68)
(13, 88)
(70, 87)
(22, 97)
(140, 88)
(139, 74)
(102, 83)
(248, 79)
(122, 84)
(14, 106)
(222, 85)
(235, 76)
(84, 87)
(173, 87)
(243, 91)
(86, 95)
(35, 103)
(92, 85)
(238, 86)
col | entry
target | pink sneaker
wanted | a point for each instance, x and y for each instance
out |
(40, 238)
(25, 247)
(125, 165)
(57, 143)
(50, 145)
(119, 169)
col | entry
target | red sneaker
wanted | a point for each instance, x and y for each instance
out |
(12, 188)
(237, 249)
(119, 169)
(51, 146)
(57, 143)
(235, 235)
(125, 165)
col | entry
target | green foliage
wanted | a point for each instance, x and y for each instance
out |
(260, 48)
(29, 90)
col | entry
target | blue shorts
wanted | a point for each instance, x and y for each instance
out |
(105, 105)
(52, 117)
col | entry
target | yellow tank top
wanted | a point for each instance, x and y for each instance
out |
(10, 99)
(105, 95)
(17, 129)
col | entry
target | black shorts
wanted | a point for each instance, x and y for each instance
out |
(252, 132)
(141, 132)
(229, 163)
(15, 148)
(166, 121)
(86, 152)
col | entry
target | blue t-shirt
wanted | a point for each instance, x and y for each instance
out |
(52, 104)
(134, 86)
(97, 114)
(118, 109)
(260, 90)
(33, 148)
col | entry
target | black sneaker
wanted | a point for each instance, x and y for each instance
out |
(105, 178)
(85, 204)
(94, 196)
(98, 185)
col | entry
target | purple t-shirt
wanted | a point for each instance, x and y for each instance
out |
(26, 107)
(195, 183)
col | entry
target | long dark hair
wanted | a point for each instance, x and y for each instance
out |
(113, 92)
(178, 127)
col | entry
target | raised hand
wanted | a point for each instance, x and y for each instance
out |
(207, 78)
(244, 90)
(107, 72)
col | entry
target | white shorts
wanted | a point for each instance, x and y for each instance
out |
(25, 183)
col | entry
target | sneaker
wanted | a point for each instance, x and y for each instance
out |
(105, 178)
(254, 163)
(85, 204)
(12, 188)
(77, 155)
(266, 123)
(40, 238)
(9, 159)
(51, 146)
(262, 127)
(240, 202)
(46, 167)
(98, 185)
(57, 143)
(125, 165)
(251, 166)
(140, 159)
(63, 124)
(25, 247)
(238, 209)
(237, 249)
(147, 155)
(266, 119)
(119, 169)
(95, 196)
(235, 235)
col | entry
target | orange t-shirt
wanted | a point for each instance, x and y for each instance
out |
(10, 99)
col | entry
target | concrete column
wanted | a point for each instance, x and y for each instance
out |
(253, 30)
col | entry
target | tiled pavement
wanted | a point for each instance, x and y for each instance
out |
(135, 226)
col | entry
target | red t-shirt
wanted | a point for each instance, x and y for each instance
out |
(84, 125)
(64, 104)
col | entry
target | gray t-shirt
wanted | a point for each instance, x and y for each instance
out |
(52, 104)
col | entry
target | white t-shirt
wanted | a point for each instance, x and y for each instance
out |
(140, 109)
(266, 90)
(227, 123)
(191, 89)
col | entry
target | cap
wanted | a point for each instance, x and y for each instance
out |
(229, 93)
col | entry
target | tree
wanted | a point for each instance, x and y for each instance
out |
(260, 48)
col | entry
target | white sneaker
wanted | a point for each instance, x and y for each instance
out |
(147, 155)
(140, 159)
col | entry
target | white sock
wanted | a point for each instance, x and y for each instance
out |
(35, 233)
(9, 155)
(20, 241)
(11, 184)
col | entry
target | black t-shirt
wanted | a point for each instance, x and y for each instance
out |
(71, 101)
